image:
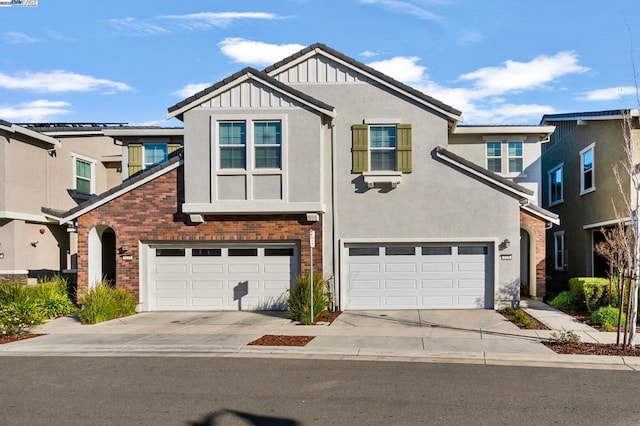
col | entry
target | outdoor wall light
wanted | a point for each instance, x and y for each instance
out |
(506, 243)
(124, 248)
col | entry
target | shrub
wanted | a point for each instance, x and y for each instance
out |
(18, 316)
(607, 317)
(53, 297)
(591, 292)
(565, 337)
(523, 318)
(564, 301)
(298, 303)
(103, 303)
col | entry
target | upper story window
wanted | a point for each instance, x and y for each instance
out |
(556, 190)
(381, 148)
(514, 154)
(154, 153)
(84, 170)
(233, 143)
(587, 170)
(267, 136)
(494, 156)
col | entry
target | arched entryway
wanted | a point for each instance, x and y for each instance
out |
(525, 265)
(531, 254)
(102, 255)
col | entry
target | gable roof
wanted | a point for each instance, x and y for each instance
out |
(612, 114)
(174, 161)
(251, 73)
(481, 172)
(19, 130)
(452, 113)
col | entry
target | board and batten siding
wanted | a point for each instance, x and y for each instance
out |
(249, 95)
(319, 70)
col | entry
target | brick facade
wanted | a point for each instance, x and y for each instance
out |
(152, 212)
(536, 228)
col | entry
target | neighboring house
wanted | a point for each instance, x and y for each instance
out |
(55, 166)
(318, 158)
(580, 187)
(513, 152)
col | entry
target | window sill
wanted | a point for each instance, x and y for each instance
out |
(80, 195)
(382, 177)
(555, 203)
(587, 191)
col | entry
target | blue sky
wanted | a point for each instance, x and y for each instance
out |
(498, 61)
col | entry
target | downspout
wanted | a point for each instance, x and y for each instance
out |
(334, 222)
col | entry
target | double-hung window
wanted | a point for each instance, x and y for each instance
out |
(494, 156)
(379, 146)
(154, 153)
(556, 189)
(382, 144)
(83, 175)
(559, 251)
(233, 144)
(514, 155)
(587, 170)
(267, 139)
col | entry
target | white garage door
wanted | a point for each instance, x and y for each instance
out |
(220, 278)
(418, 276)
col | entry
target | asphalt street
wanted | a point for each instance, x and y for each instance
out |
(246, 391)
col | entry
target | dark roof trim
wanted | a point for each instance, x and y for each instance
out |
(367, 69)
(258, 74)
(136, 180)
(541, 213)
(463, 163)
(19, 130)
(587, 114)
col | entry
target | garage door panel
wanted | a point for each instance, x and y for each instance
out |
(400, 267)
(283, 269)
(171, 285)
(207, 269)
(434, 277)
(437, 267)
(252, 268)
(208, 302)
(163, 302)
(437, 283)
(401, 284)
(171, 268)
(275, 284)
(207, 285)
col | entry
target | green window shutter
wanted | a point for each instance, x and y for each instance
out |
(404, 148)
(360, 148)
(172, 147)
(135, 158)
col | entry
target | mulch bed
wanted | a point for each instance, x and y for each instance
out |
(16, 337)
(327, 316)
(591, 349)
(537, 325)
(279, 340)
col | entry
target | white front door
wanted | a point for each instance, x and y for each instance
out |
(418, 276)
(220, 278)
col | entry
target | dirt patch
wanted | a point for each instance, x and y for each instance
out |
(327, 316)
(280, 340)
(534, 324)
(16, 337)
(591, 349)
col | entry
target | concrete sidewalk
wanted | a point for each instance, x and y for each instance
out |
(463, 336)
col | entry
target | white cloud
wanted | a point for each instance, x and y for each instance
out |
(190, 89)
(60, 81)
(207, 20)
(134, 26)
(402, 68)
(369, 54)
(256, 52)
(13, 37)
(609, 94)
(406, 7)
(36, 111)
(515, 76)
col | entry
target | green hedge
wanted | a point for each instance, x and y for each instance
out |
(592, 292)
(103, 303)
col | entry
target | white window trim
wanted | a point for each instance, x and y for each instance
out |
(557, 267)
(486, 155)
(591, 148)
(549, 174)
(250, 170)
(92, 182)
(509, 157)
(144, 149)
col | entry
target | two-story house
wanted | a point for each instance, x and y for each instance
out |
(579, 186)
(318, 158)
